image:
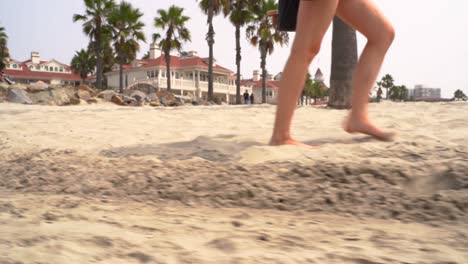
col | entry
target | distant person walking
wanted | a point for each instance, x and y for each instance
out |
(252, 98)
(246, 97)
(379, 94)
(313, 20)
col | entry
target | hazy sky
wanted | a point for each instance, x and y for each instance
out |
(431, 45)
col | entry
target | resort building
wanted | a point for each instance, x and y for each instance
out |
(35, 69)
(421, 93)
(189, 75)
(255, 84)
(272, 85)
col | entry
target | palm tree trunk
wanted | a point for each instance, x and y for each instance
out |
(99, 59)
(210, 39)
(238, 62)
(344, 59)
(121, 77)
(263, 66)
(167, 56)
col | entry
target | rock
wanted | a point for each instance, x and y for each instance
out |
(117, 99)
(106, 95)
(58, 96)
(74, 100)
(3, 86)
(86, 88)
(19, 96)
(18, 86)
(92, 101)
(153, 97)
(84, 95)
(139, 96)
(37, 87)
(155, 104)
(184, 99)
(166, 98)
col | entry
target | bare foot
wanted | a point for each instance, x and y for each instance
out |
(352, 125)
(290, 141)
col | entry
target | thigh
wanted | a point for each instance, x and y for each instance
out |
(313, 20)
(365, 17)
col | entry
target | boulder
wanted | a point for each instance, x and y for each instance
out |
(153, 97)
(184, 99)
(18, 86)
(86, 88)
(154, 104)
(166, 98)
(139, 96)
(59, 96)
(18, 96)
(92, 100)
(106, 95)
(117, 99)
(37, 87)
(84, 95)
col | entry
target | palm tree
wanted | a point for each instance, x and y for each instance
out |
(398, 93)
(344, 59)
(241, 14)
(459, 95)
(174, 22)
(127, 30)
(94, 26)
(4, 54)
(387, 83)
(211, 9)
(83, 63)
(263, 33)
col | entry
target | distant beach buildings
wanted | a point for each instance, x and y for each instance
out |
(35, 69)
(421, 93)
(189, 75)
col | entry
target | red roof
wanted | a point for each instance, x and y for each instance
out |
(26, 73)
(177, 62)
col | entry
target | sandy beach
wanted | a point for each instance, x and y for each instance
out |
(108, 184)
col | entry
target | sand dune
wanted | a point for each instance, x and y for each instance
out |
(107, 184)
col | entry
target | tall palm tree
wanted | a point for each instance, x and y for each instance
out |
(4, 54)
(212, 8)
(83, 63)
(94, 25)
(127, 30)
(387, 82)
(263, 33)
(241, 14)
(174, 23)
(344, 59)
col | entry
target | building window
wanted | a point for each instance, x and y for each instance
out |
(15, 66)
(177, 75)
(56, 69)
(38, 67)
(61, 69)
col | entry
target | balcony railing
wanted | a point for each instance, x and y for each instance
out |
(189, 85)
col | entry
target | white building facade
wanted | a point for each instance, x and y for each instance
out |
(189, 75)
(34, 69)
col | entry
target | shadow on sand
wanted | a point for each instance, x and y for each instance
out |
(218, 148)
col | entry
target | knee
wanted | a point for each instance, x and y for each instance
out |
(385, 37)
(306, 52)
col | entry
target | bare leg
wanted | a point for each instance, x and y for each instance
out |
(313, 20)
(365, 17)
